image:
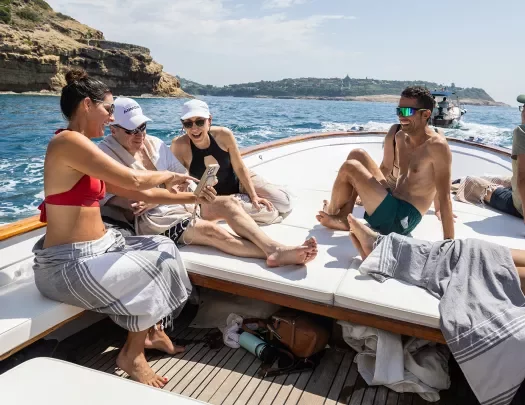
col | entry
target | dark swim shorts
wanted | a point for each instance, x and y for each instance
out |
(176, 231)
(394, 215)
(501, 199)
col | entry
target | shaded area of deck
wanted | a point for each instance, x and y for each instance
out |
(214, 373)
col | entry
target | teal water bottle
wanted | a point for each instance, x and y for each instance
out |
(256, 346)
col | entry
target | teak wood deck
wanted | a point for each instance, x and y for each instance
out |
(216, 374)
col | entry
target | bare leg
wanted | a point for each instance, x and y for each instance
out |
(518, 257)
(131, 359)
(158, 340)
(277, 254)
(207, 233)
(344, 194)
(362, 236)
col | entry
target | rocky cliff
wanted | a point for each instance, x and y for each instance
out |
(37, 47)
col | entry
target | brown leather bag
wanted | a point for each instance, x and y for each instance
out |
(303, 334)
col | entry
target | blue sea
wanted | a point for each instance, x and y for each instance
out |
(28, 122)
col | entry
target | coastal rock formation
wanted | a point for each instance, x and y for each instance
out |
(37, 47)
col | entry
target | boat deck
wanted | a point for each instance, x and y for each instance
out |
(216, 374)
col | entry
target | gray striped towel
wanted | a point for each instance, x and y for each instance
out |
(137, 280)
(481, 305)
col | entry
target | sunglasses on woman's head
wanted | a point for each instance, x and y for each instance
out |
(110, 108)
(136, 131)
(189, 124)
(407, 111)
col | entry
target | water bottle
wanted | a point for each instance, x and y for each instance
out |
(256, 346)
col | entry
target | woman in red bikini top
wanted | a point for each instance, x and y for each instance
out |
(76, 170)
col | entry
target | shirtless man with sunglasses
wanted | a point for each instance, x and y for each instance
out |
(424, 174)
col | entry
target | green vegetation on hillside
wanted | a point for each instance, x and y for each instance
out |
(30, 15)
(315, 87)
(5, 11)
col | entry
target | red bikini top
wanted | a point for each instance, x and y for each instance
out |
(86, 193)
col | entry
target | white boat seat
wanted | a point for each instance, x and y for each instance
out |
(397, 300)
(56, 382)
(24, 313)
(317, 281)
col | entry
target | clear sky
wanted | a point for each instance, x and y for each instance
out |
(471, 43)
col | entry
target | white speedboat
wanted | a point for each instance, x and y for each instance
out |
(448, 110)
(330, 285)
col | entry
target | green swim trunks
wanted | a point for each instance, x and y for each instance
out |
(394, 215)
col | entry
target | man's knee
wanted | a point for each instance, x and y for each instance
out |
(358, 154)
(212, 231)
(228, 202)
(350, 167)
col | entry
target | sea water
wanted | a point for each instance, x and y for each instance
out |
(28, 122)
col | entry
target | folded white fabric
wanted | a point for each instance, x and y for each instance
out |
(230, 331)
(382, 359)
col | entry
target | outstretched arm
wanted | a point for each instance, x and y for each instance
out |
(442, 163)
(79, 153)
(163, 196)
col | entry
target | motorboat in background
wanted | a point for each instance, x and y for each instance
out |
(447, 110)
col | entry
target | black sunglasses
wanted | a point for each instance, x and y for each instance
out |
(136, 131)
(189, 124)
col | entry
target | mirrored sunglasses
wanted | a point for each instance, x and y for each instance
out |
(407, 111)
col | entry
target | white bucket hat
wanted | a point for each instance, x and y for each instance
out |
(195, 108)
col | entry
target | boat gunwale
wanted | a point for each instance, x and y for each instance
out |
(32, 223)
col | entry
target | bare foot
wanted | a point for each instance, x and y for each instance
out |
(158, 340)
(364, 235)
(286, 255)
(139, 370)
(332, 221)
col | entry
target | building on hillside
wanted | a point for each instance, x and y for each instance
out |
(345, 83)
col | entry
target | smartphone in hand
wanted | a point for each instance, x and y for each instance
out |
(207, 178)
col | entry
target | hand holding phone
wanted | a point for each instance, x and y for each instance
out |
(207, 179)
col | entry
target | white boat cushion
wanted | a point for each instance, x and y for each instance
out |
(398, 300)
(316, 281)
(60, 383)
(24, 312)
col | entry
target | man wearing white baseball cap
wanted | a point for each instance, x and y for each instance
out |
(157, 211)
(128, 114)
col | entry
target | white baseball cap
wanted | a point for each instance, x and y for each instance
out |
(128, 114)
(195, 108)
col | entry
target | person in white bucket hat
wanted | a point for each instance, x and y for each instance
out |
(204, 144)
